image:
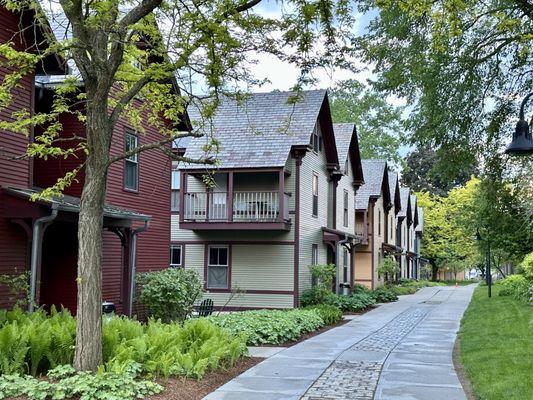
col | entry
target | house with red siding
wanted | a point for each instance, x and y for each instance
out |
(41, 236)
(279, 199)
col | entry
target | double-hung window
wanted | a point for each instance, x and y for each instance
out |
(316, 139)
(131, 163)
(175, 192)
(345, 208)
(345, 265)
(315, 194)
(218, 267)
(176, 256)
(314, 254)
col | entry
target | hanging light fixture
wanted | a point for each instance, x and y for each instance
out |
(522, 143)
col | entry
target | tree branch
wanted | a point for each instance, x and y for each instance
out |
(160, 145)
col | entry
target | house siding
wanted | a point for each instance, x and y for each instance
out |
(311, 226)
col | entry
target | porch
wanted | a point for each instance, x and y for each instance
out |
(235, 200)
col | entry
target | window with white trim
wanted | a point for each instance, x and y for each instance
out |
(175, 190)
(345, 265)
(131, 163)
(176, 256)
(218, 267)
(314, 254)
(345, 208)
(315, 194)
(316, 139)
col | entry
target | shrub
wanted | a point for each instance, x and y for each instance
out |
(34, 343)
(65, 382)
(169, 294)
(312, 296)
(388, 268)
(526, 267)
(270, 326)
(384, 295)
(329, 314)
(358, 288)
(516, 286)
(322, 277)
(353, 303)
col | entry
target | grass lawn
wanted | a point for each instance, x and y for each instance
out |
(497, 346)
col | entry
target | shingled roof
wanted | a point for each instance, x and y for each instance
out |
(405, 197)
(394, 188)
(374, 174)
(261, 130)
(348, 146)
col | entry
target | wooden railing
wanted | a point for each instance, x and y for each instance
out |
(245, 206)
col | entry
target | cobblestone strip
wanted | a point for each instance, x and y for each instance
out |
(357, 380)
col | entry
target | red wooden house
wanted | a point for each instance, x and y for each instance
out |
(41, 236)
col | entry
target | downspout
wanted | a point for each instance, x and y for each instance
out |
(339, 246)
(35, 245)
(133, 262)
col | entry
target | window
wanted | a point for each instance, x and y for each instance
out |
(175, 200)
(391, 227)
(315, 194)
(345, 206)
(314, 254)
(217, 267)
(379, 222)
(175, 256)
(131, 163)
(316, 139)
(345, 265)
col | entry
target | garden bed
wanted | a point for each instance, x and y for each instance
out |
(194, 389)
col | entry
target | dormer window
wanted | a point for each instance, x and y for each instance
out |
(316, 139)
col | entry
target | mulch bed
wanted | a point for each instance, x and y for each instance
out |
(193, 389)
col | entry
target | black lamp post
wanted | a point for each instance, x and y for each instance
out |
(488, 277)
(522, 143)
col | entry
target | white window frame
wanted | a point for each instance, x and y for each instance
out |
(209, 265)
(175, 246)
(314, 196)
(131, 160)
(345, 204)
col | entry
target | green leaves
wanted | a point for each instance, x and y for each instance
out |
(269, 326)
(170, 294)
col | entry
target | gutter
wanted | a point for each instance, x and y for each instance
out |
(133, 262)
(35, 246)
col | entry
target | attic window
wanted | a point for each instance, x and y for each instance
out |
(316, 139)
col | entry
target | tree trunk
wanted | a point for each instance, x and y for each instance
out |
(88, 354)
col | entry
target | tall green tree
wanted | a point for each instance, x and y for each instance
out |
(422, 173)
(380, 127)
(128, 50)
(462, 66)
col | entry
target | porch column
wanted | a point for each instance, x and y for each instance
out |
(127, 258)
(281, 195)
(230, 196)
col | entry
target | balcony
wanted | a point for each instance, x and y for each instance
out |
(250, 210)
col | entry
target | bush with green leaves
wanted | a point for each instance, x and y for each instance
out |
(64, 382)
(169, 294)
(270, 326)
(526, 267)
(329, 314)
(352, 303)
(384, 295)
(34, 343)
(388, 268)
(359, 288)
(516, 286)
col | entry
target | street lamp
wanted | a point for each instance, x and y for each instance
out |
(522, 143)
(488, 276)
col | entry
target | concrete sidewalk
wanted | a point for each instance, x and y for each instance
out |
(400, 350)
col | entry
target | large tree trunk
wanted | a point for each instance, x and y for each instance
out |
(88, 355)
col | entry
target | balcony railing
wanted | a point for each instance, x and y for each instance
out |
(245, 207)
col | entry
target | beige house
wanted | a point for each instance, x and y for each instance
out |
(404, 221)
(372, 206)
(280, 198)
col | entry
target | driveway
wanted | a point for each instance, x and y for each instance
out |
(400, 350)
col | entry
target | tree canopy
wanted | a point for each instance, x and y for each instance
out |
(379, 124)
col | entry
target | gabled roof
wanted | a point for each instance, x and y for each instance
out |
(261, 130)
(405, 197)
(394, 188)
(348, 147)
(414, 210)
(420, 225)
(376, 183)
